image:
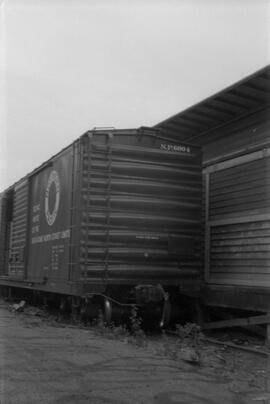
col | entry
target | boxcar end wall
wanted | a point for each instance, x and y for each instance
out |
(114, 208)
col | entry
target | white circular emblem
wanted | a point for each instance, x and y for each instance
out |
(51, 215)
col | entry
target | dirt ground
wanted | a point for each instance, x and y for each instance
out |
(43, 361)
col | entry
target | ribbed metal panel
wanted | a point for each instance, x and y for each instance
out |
(241, 189)
(241, 253)
(19, 231)
(141, 212)
(239, 220)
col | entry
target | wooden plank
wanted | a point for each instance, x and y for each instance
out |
(251, 213)
(250, 280)
(253, 191)
(241, 255)
(237, 190)
(238, 160)
(235, 176)
(218, 269)
(241, 263)
(258, 186)
(240, 219)
(248, 198)
(241, 147)
(235, 228)
(243, 235)
(235, 180)
(260, 351)
(253, 165)
(263, 319)
(247, 206)
(237, 347)
(250, 297)
(240, 241)
(241, 249)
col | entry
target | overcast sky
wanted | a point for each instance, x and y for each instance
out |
(71, 65)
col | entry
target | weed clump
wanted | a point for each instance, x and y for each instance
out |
(190, 333)
(190, 337)
(131, 333)
(136, 332)
(186, 347)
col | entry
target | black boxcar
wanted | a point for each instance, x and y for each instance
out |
(114, 211)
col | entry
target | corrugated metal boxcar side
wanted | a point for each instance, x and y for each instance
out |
(114, 208)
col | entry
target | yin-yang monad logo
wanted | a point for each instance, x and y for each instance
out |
(52, 197)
